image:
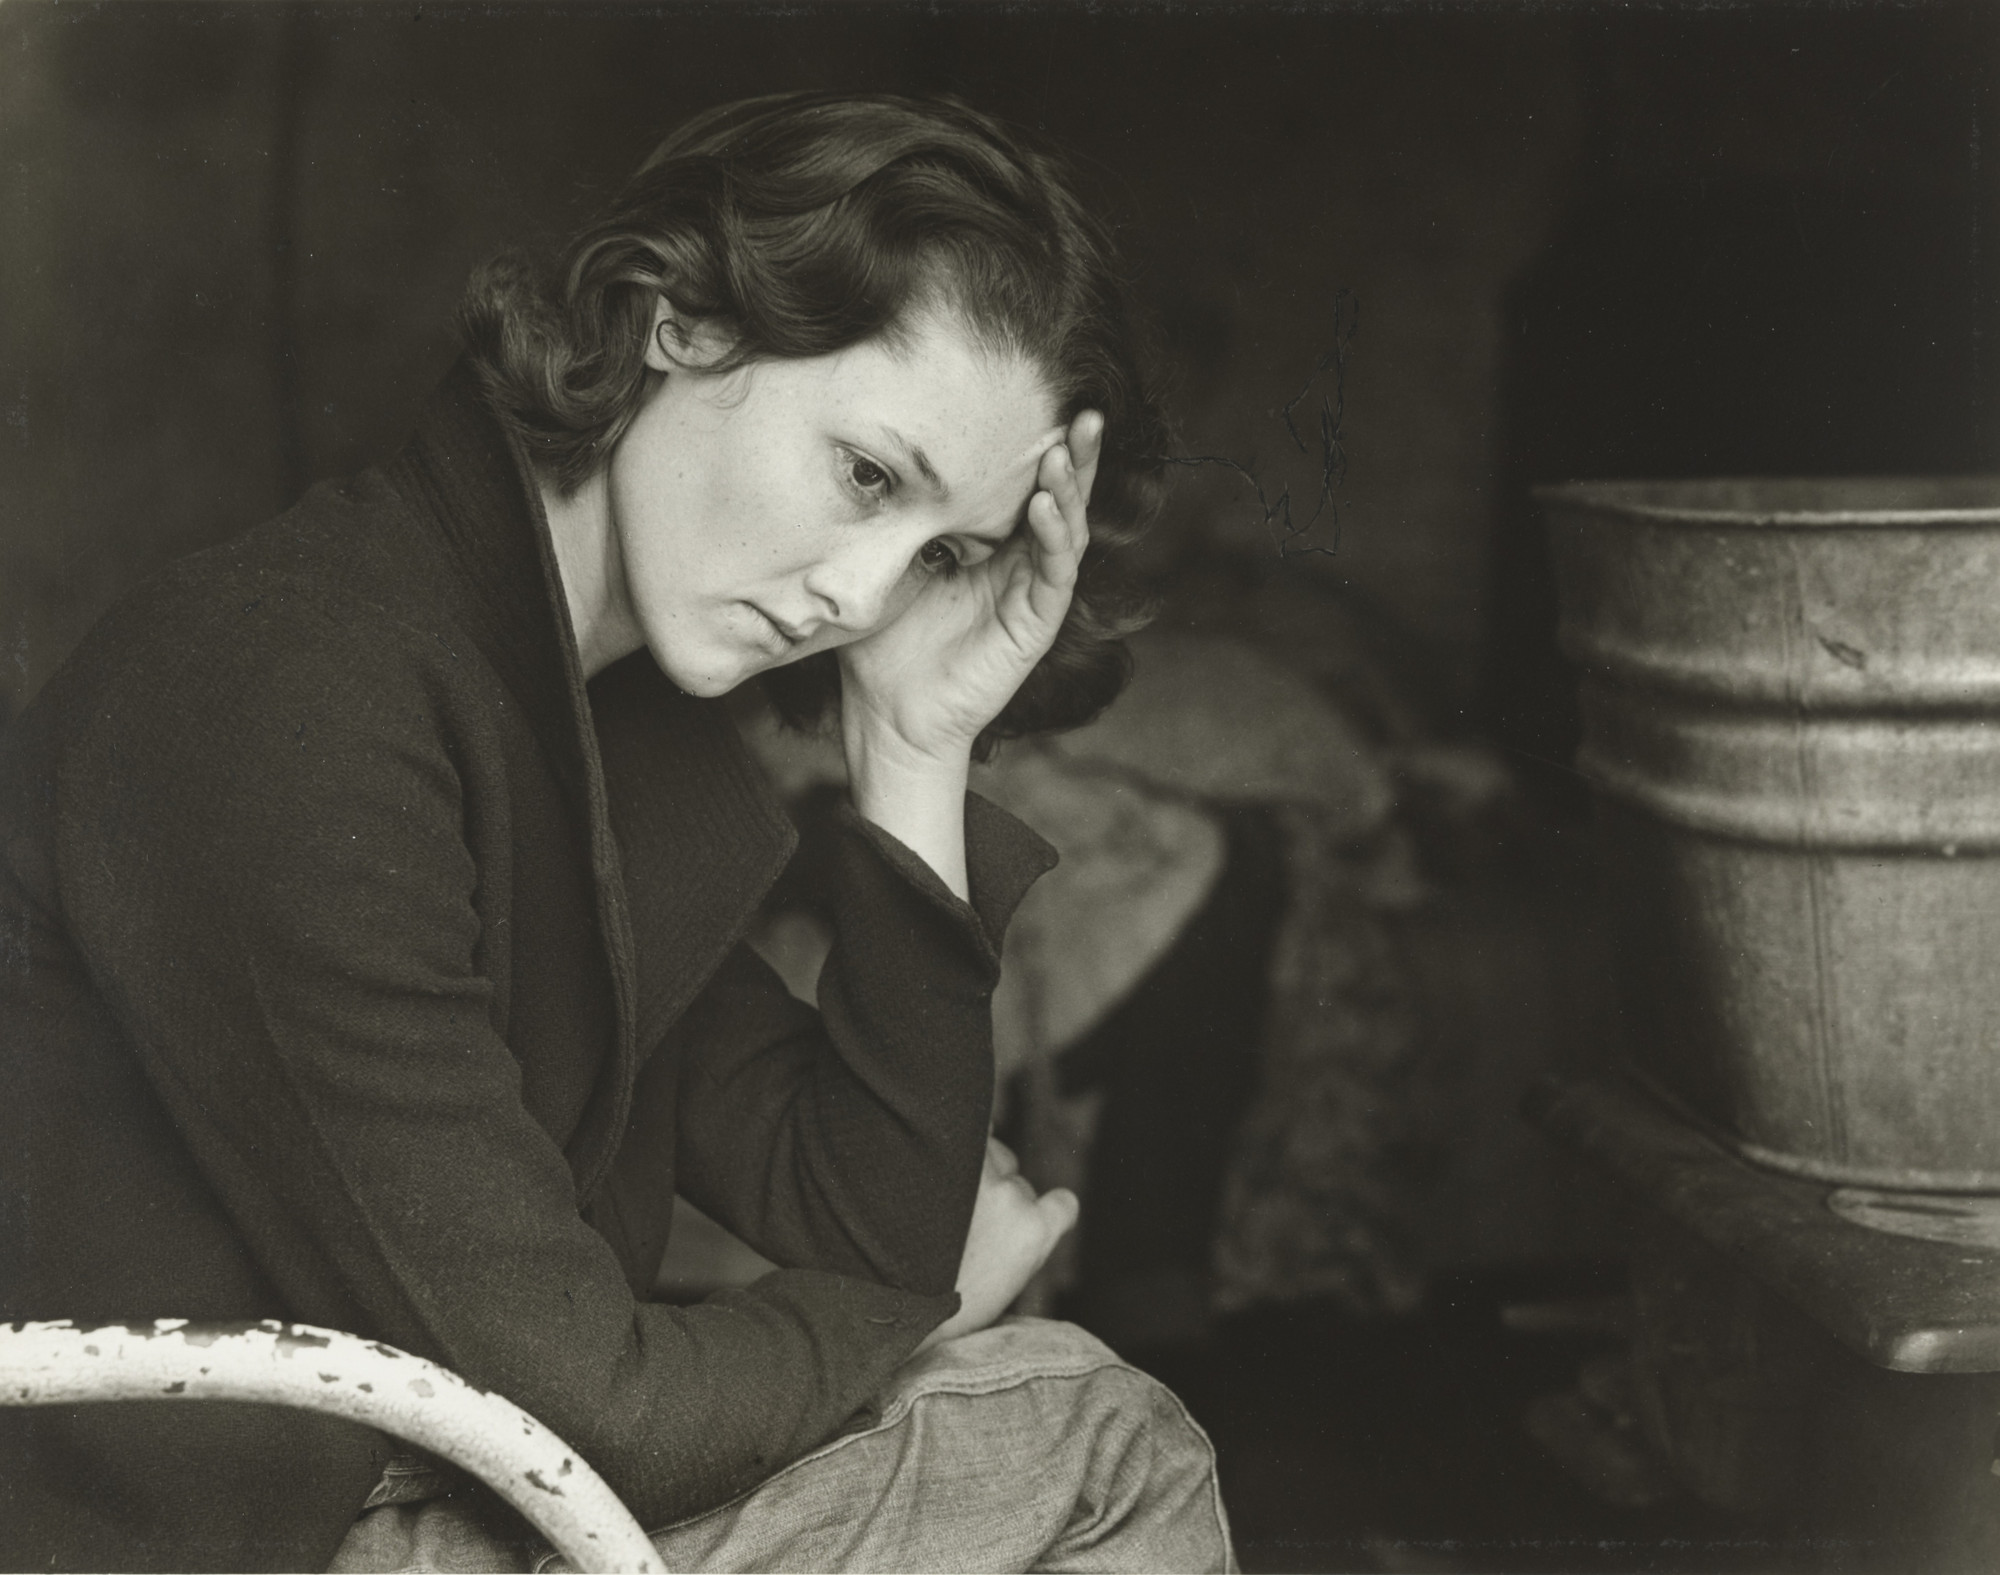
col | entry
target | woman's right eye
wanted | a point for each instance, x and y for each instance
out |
(867, 475)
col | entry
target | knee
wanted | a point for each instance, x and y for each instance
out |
(1141, 1471)
(1151, 1463)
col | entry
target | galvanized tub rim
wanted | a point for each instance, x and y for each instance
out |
(1787, 502)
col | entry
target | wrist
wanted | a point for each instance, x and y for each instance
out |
(916, 795)
(873, 743)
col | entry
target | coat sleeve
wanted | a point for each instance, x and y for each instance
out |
(851, 1138)
(264, 860)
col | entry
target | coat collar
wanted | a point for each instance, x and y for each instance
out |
(685, 833)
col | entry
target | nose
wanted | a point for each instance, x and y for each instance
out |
(856, 587)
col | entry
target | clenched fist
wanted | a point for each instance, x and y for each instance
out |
(1013, 1232)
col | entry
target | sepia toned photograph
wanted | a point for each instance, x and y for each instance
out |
(1060, 786)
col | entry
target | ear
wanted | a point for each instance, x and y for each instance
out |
(682, 344)
(666, 340)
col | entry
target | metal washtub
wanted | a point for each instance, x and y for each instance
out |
(1791, 707)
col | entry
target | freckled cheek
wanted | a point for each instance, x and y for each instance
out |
(782, 527)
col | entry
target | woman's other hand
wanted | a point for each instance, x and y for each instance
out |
(1013, 1232)
(928, 683)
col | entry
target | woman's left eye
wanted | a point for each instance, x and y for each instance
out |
(937, 557)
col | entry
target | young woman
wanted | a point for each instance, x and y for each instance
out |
(373, 886)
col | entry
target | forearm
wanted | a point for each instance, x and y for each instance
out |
(849, 1139)
(919, 799)
(852, 1140)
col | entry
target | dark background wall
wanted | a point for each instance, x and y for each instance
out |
(1581, 240)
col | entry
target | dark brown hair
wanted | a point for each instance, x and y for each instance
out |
(801, 224)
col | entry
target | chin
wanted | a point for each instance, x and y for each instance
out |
(707, 685)
(706, 680)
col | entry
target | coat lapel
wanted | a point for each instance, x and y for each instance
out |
(685, 833)
(700, 833)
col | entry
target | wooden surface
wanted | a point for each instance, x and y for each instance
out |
(1907, 1305)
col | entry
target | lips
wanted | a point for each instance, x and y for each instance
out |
(796, 633)
(777, 638)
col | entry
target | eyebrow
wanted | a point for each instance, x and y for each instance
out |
(919, 460)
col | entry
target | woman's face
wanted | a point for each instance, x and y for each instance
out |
(793, 506)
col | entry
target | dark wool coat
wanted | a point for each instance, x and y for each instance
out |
(359, 967)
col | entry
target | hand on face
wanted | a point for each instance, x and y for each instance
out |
(935, 676)
(1013, 1232)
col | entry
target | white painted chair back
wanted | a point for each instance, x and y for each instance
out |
(342, 1375)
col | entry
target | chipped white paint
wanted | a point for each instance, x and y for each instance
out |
(323, 1370)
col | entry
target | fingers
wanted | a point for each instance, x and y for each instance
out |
(1071, 492)
(1057, 554)
(1086, 448)
(1056, 1210)
(1059, 1210)
(1056, 513)
(1068, 472)
(1057, 542)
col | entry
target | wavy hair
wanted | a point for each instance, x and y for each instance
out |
(800, 224)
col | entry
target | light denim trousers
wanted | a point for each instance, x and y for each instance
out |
(1027, 1446)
